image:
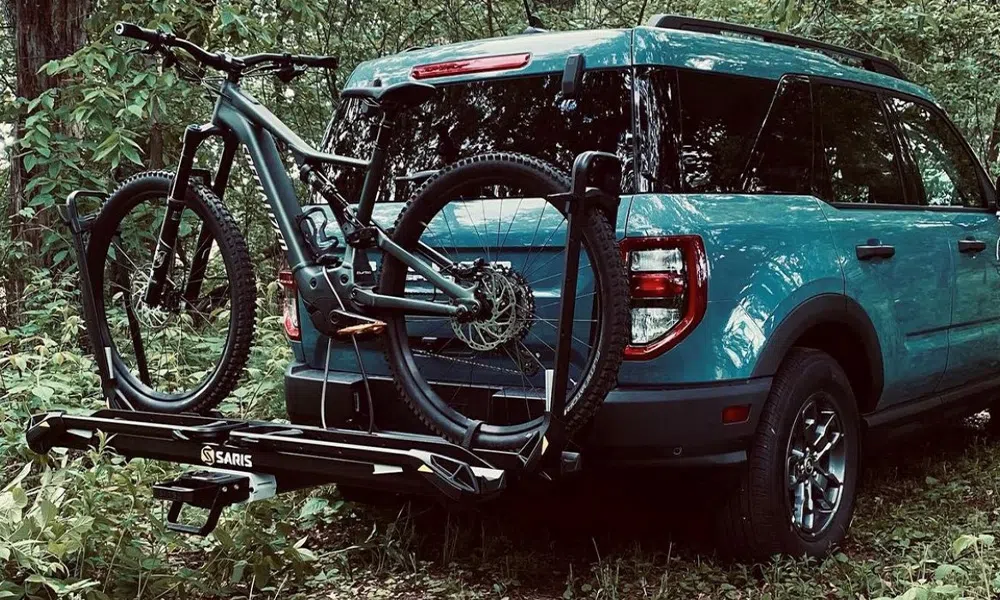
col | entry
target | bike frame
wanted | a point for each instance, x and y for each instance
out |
(241, 120)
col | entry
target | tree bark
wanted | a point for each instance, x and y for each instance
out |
(993, 145)
(44, 30)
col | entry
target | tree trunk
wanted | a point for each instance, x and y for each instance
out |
(993, 145)
(44, 30)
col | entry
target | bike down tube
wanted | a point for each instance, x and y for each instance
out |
(245, 121)
(254, 126)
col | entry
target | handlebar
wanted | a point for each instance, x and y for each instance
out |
(218, 60)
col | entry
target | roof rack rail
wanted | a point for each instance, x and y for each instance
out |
(869, 62)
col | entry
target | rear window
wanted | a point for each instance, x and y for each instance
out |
(524, 114)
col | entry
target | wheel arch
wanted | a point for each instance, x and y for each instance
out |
(837, 325)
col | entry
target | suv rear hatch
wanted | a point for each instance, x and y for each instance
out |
(518, 109)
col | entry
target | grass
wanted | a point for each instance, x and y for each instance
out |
(923, 529)
(84, 525)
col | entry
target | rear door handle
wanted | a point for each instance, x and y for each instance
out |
(971, 246)
(874, 249)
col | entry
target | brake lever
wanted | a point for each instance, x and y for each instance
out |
(169, 58)
(287, 74)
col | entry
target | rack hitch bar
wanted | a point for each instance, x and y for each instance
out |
(287, 457)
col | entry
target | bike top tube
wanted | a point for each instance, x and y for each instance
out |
(259, 115)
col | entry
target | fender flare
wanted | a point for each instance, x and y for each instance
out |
(824, 308)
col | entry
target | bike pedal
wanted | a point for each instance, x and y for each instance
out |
(373, 328)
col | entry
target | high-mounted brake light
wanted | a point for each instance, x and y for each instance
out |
(290, 306)
(482, 64)
(668, 278)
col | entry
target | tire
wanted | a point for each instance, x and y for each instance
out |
(597, 378)
(757, 520)
(239, 291)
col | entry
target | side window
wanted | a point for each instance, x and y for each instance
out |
(657, 130)
(782, 158)
(947, 170)
(720, 116)
(861, 161)
(702, 132)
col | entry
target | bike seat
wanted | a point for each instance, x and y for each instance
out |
(407, 94)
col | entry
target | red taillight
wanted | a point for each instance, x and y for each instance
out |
(471, 65)
(290, 305)
(668, 279)
(657, 285)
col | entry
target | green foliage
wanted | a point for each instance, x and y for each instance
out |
(85, 526)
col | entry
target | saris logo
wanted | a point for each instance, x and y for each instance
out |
(210, 456)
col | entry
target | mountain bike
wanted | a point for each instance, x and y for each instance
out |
(175, 290)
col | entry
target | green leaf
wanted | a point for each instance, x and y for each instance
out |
(946, 571)
(949, 590)
(131, 154)
(313, 507)
(42, 392)
(238, 569)
(29, 160)
(914, 593)
(962, 543)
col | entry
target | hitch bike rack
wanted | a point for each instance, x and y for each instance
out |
(244, 461)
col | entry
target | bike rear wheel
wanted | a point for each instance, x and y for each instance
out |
(489, 213)
(187, 353)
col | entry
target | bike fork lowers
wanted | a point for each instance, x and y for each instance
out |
(194, 135)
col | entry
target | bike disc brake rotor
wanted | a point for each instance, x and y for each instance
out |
(509, 306)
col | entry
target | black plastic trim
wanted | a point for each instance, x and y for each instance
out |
(679, 425)
(824, 308)
(953, 402)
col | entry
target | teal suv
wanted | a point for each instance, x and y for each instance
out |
(812, 251)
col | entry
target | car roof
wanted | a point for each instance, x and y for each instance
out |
(738, 55)
(609, 48)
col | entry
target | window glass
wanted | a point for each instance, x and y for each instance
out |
(947, 170)
(522, 114)
(720, 116)
(782, 158)
(860, 153)
(701, 132)
(658, 134)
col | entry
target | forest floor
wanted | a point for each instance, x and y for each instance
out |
(923, 529)
(85, 526)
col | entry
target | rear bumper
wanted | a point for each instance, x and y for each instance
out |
(674, 426)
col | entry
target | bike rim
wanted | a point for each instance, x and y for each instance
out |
(183, 342)
(475, 378)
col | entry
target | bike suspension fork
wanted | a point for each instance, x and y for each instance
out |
(199, 261)
(165, 244)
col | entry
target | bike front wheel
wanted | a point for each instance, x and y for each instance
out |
(489, 216)
(187, 353)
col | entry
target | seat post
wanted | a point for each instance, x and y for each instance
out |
(377, 164)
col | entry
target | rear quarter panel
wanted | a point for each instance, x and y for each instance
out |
(766, 255)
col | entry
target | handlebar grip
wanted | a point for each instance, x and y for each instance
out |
(133, 31)
(322, 62)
